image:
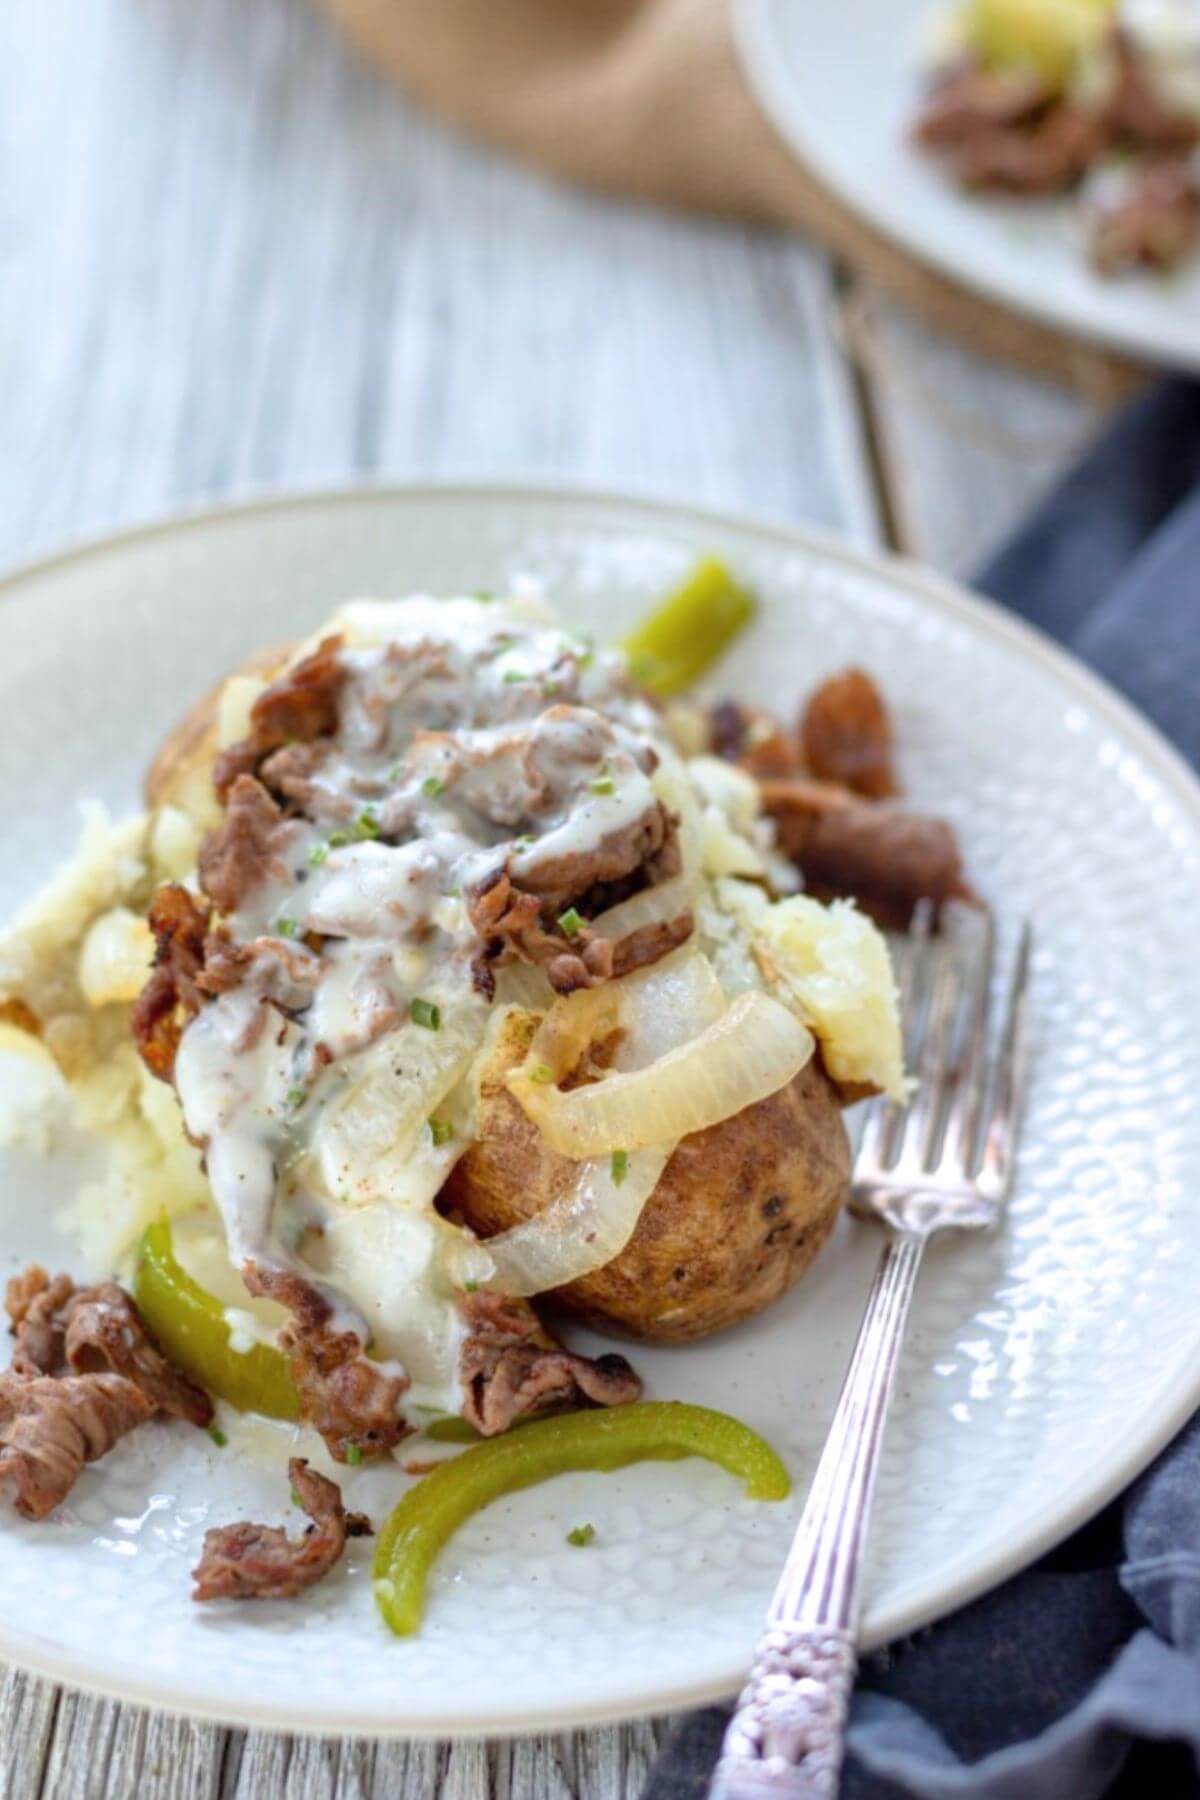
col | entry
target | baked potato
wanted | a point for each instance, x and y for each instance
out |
(736, 1218)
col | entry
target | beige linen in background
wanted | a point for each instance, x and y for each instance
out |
(647, 98)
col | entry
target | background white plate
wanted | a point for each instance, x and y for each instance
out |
(1045, 1366)
(841, 83)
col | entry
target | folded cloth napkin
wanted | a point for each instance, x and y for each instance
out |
(1080, 1677)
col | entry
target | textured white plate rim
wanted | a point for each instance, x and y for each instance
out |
(916, 1604)
(758, 45)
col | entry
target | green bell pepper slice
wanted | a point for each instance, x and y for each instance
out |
(189, 1325)
(657, 1430)
(689, 630)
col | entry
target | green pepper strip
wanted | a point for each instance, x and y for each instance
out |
(658, 1430)
(189, 1324)
(692, 627)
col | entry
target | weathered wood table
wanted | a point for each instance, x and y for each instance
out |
(234, 261)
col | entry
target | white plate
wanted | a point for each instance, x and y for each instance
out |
(842, 84)
(1045, 1366)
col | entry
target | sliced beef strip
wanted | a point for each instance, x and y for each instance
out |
(1137, 113)
(1047, 157)
(352, 1401)
(1009, 131)
(247, 848)
(300, 706)
(510, 1366)
(881, 854)
(517, 918)
(291, 772)
(846, 735)
(35, 1302)
(62, 1329)
(646, 847)
(1154, 225)
(753, 739)
(105, 1331)
(261, 1562)
(172, 996)
(967, 100)
(50, 1426)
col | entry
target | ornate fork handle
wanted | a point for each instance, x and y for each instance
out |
(787, 1736)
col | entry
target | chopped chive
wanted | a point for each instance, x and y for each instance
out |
(338, 840)
(318, 855)
(483, 595)
(353, 1455)
(603, 784)
(367, 825)
(581, 1536)
(425, 1012)
(296, 1096)
(285, 928)
(585, 659)
(295, 1498)
(619, 1166)
(570, 923)
(511, 675)
(542, 1073)
(441, 1131)
(218, 1436)
(470, 1287)
(433, 785)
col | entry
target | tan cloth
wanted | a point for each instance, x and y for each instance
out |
(648, 98)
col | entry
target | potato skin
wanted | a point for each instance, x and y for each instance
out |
(181, 773)
(739, 1213)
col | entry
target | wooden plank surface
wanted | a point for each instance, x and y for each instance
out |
(233, 260)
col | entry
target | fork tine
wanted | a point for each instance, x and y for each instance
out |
(1008, 1088)
(966, 1110)
(921, 1128)
(880, 1129)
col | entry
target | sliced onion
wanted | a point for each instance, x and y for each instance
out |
(753, 1050)
(525, 985)
(568, 1029)
(366, 1136)
(580, 1231)
(660, 1008)
(649, 907)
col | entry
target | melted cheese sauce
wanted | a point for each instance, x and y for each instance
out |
(471, 735)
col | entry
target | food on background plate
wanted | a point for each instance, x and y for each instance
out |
(455, 964)
(1036, 97)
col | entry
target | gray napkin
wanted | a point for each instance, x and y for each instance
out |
(1079, 1677)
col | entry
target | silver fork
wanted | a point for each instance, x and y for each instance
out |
(944, 1160)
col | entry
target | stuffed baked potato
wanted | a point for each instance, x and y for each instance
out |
(479, 975)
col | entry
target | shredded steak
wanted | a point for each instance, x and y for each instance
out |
(1154, 225)
(880, 853)
(846, 735)
(35, 1302)
(752, 739)
(300, 706)
(1138, 114)
(966, 101)
(50, 1426)
(510, 1366)
(353, 1402)
(261, 1562)
(246, 848)
(61, 1329)
(172, 996)
(517, 918)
